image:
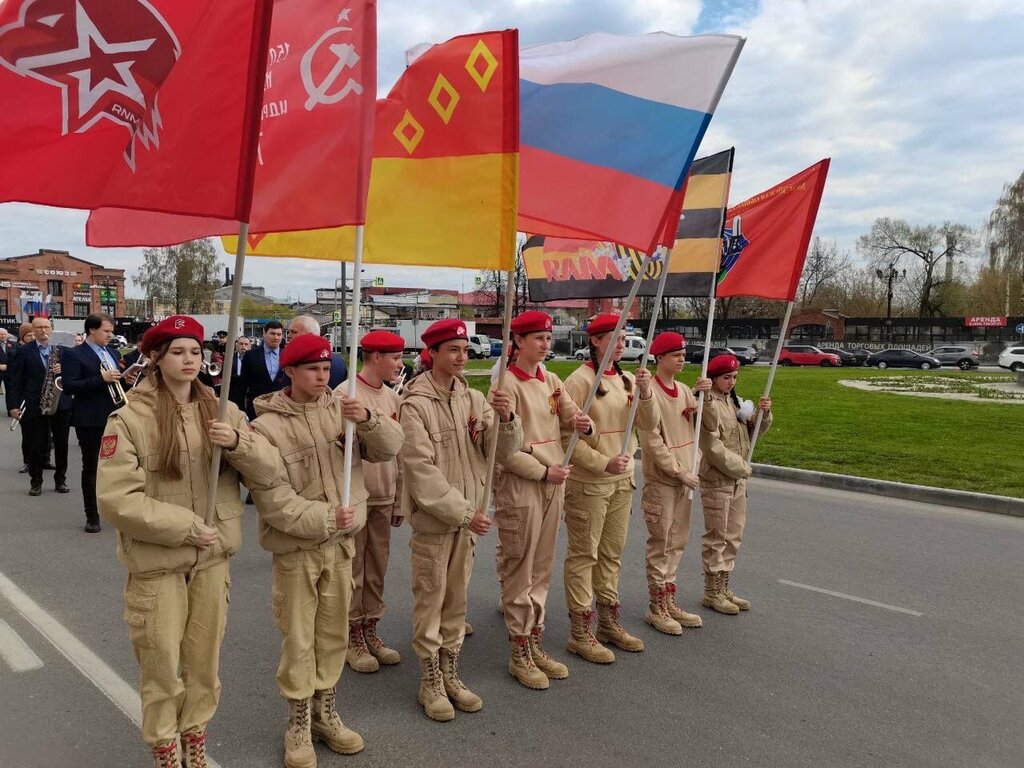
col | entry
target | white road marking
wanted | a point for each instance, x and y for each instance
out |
(120, 693)
(16, 653)
(851, 597)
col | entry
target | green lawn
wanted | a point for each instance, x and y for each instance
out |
(822, 425)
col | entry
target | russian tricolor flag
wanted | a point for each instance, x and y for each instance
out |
(609, 127)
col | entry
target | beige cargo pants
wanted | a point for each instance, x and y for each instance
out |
(442, 564)
(369, 566)
(527, 533)
(597, 519)
(311, 593)
(725, 517)
(176, 623)
(667, 513)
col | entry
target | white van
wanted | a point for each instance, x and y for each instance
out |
(479, 346)
(635, 346)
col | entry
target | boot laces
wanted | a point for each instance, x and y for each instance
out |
(453, 669)
(301, 715)
(522, 650)
(535, 645)
(356, 639)
(327, 713)
(194, 745)
(166, 755)
(370, 637)
(586, 619)
(436, 677)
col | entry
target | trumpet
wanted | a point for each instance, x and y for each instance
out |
(400, 383)
(210, 368)
(21, 412)
(116, 389)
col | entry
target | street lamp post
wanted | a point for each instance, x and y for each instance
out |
(891, 275)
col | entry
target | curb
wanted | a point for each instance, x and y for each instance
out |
(982, 502)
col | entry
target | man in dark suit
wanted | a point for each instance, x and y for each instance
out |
(3, 356)
(261, 367)
(28, 375)
(89, 370)
(236, 392)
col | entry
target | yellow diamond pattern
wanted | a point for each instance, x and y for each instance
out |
(442, 86)
(481, 51)
(409, 140)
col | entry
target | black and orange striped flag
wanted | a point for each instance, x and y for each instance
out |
(561, 268)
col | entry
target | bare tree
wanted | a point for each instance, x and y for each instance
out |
(494, 282)
(892, 242)
(182, 277)
(823, 270)
(1006, 230)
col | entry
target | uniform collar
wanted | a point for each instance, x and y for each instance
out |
(674, 392)
(522, 375)
(609, 372)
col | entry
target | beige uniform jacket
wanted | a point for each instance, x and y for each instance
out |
(668, 448)
(382, 478)
(544, 408)
(154, 517)
(725, 441)
(310, 438)
(609, 414)
(444, 457)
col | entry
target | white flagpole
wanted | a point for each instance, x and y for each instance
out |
(353, 359)
(771, 378)
(631, 419)
(506, 330)
(606, 358)
(229, 366)
(703, 375)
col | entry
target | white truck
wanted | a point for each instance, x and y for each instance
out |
(411, 330)
(634, 349)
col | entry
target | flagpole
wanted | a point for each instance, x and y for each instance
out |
(703, 374)
(606, 358)
(350, 427)
(631, 419)
(771, 378)
(227, 371)
(492, 442)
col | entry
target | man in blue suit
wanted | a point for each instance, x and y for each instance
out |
(261, 367)
(27, 377)
(88, 371)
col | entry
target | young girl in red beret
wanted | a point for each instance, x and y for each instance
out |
(726, 429)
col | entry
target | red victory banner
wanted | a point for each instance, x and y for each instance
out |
(146, 104)
(316, 131)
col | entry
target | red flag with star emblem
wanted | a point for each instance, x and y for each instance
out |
(316, 132)
(147, 104)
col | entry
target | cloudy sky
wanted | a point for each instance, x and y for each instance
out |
(918, 102)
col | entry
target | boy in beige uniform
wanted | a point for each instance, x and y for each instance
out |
(312, 564)
(447, 427)
(382, 362)
(529, 496)
(668, 481)
(724, 443)
(599, 497)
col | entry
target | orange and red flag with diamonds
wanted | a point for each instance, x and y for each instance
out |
(444, 178)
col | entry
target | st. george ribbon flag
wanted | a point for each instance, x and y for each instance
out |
(443, 186)
(316, 129)
(146, 104)
(610, 125)
(766, 257)
(564, 268)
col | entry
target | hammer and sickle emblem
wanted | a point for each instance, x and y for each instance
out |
(320, 93)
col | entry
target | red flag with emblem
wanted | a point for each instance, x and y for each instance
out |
(316, 132)
(147, 104)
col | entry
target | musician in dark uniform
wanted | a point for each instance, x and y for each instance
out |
(47, 411)
(91, 374)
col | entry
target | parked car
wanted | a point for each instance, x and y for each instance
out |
(850, 356)
(635, 346)
(479, 346)
(798, 354)
(119, 341)
(902, 358)
(746, 355)
(695, 353)
(1012, 357)
(496, 346)
(962, 356)
(550, 355)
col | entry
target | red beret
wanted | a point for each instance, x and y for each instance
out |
(173, 327)
(382, 341)
(426, 359)
(444, 330)
(602, 324)
(307, 348)
(667, 342)
(722, 364)
(531, 322)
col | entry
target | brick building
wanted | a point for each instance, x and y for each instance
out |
(70, 287)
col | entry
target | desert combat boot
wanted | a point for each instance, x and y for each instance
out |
(732, 597)
(431, 695)
(165, 755)
(609, 630)
(714, 598)
(521, 665)
(554, 670)
(328, 728)
(686, 620)
(378, 649)
(461, 696)
(358, 655)
(298, 741)
(582, 641)
(193, 749)
(657, 612)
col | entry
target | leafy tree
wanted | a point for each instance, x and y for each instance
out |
(182, 277)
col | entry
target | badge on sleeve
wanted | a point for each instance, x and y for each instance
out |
(108, 446)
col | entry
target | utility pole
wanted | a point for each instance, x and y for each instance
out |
(891, 275)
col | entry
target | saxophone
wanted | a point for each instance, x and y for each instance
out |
(49, 399)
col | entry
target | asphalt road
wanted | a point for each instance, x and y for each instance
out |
(927, 673)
